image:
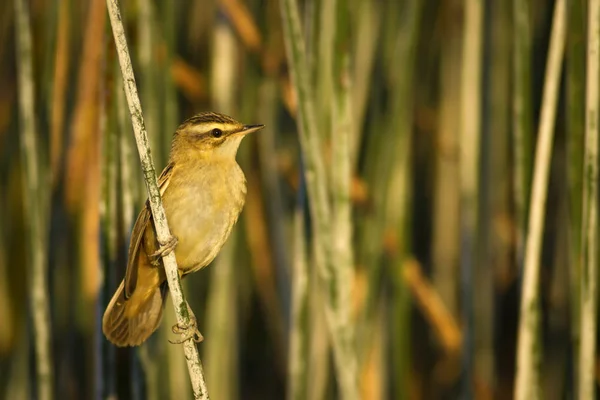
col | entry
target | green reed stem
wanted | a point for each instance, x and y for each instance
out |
(589, 220)
(36, 190)
(527, 384)
(335, 283)
(522, 118)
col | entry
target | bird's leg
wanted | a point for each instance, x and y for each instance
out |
(164, 249)
(189, 331)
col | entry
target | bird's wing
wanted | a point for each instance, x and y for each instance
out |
(137, 235)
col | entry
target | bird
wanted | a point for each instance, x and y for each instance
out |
(203, 191)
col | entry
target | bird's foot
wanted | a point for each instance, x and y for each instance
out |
(165, 249)
(188, 332)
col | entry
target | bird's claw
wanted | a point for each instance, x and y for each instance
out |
(188, 332)
(165, 249)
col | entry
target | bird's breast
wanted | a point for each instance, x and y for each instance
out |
(202, 205)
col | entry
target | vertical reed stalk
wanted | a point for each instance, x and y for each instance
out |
(7, 308)
(319, 364)
(35, 190)
(527, 383)
(171, 106)
(388, 154)
(522, 118)
(576, 131)
(374, 374)
(144, 370)
(158, 212)
(221, 324)
(168, 103)
(298, 357)
(497, 258)
(367, 19)
(59, 88)
(398, 191)
(445, 235)
(149, 84)
(92, 219)
(222, 312)
(129, 183)
(267, 223)
(311, 37)
(110, 227)
(333, 279)
(325, 40)
(398, 206)
(371, 230)
(271, 186)
(82, 148)
(342, 131)
(470, 137)
(388, 170)
(589, 221)
(82, 169)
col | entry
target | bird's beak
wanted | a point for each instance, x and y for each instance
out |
(250, 128)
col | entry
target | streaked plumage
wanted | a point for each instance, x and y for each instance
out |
(203, 191)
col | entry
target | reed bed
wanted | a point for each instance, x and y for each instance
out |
(421, 216)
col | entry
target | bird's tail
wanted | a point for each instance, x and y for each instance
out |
(129, 322)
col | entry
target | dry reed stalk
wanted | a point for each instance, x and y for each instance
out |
(433, 308)
(59, 87)
(158, 213)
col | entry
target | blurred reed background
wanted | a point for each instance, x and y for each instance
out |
(421, 219)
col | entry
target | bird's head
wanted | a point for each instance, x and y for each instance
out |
(211, 134)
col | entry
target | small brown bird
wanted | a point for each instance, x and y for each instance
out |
(203, 191)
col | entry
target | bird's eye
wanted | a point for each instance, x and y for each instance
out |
(217, 133)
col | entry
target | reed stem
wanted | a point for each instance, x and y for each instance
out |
(589, 221)
(527, 383)
(333, 278)
(575, 72)
(158, 213)
(522, 118)
(36, 188)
